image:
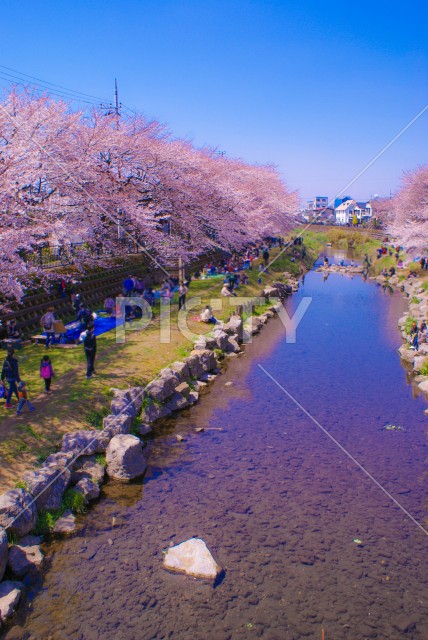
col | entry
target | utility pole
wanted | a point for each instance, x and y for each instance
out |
(109, 108)
(117, 104)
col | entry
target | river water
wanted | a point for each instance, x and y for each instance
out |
(278, 503)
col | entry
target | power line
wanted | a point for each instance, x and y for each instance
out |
(52, 84)
(24, 83)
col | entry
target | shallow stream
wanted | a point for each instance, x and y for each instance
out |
(278, 503)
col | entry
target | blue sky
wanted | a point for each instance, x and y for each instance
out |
(317, 88)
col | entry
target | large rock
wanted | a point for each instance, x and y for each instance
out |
(18, 512)
(419, 362)
(10, 593)
(232, 345)
(221, 338)
(125, 458)
(59, 459)
(123, 405)
(182, 371)
(184, 389)
(24, 558)
(137, 395)
(193, 397)
(406, 353)
(114, 425)
(3, 552)
(207, 359)
(47, 485)
(153, 411)
(66, 525)
(195, 365)
(200, 343)
(163, 387)
(89, 489)
(253, 325)
(234, 326)
(423, 349)
(423, 386)
(87, 467)
(177, 402)
(85, 443)
(193, 558)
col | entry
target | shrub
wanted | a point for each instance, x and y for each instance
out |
(73, 500)
(408, 324)
(424, 369)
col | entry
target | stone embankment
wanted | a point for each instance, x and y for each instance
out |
(416, 360)
(88, 456)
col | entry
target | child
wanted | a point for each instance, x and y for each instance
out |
(46, 372)
(23, 398)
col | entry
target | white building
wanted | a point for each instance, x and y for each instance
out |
(345, 212)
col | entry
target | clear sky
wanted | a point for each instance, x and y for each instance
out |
(317, 88)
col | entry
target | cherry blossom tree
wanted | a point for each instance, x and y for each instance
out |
(409, 221)
(113, 182)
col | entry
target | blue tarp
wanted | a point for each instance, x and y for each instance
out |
(102, 324)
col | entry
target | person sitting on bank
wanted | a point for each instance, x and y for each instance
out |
(207, 315)
(13, 333)
(109, 306)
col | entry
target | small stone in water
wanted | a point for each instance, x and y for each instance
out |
(179, 437)
(228, 384)
(199, 429)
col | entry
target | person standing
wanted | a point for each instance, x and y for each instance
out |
(182, 292)
(90, 347)
(23, 399)
(46, 372)
(10, 373)
(47, 323)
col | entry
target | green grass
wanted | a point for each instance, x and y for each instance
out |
(101, 459)
(95, 417)
(424, 369)
(72, 500)
(21, 485)
(414, 300)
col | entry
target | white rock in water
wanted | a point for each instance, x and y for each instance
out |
(193, 558)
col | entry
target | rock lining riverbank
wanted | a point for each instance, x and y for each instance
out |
(78, 465)
(415, 361)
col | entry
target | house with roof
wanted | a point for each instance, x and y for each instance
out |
(344, 213)
(347, 210)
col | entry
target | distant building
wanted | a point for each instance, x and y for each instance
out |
(347, 210)
(317, 204)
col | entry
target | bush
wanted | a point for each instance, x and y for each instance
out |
(424, 370)
(73, 500)
(408, 324)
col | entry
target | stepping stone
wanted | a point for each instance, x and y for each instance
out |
(193, 558)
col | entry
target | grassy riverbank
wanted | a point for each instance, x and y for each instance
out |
(359, 243)
(77, 403)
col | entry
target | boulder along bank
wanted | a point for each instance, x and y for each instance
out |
(68, 480)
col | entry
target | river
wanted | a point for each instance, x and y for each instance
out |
(278, 502)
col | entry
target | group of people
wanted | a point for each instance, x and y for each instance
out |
(418, 334)
(11, 383)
